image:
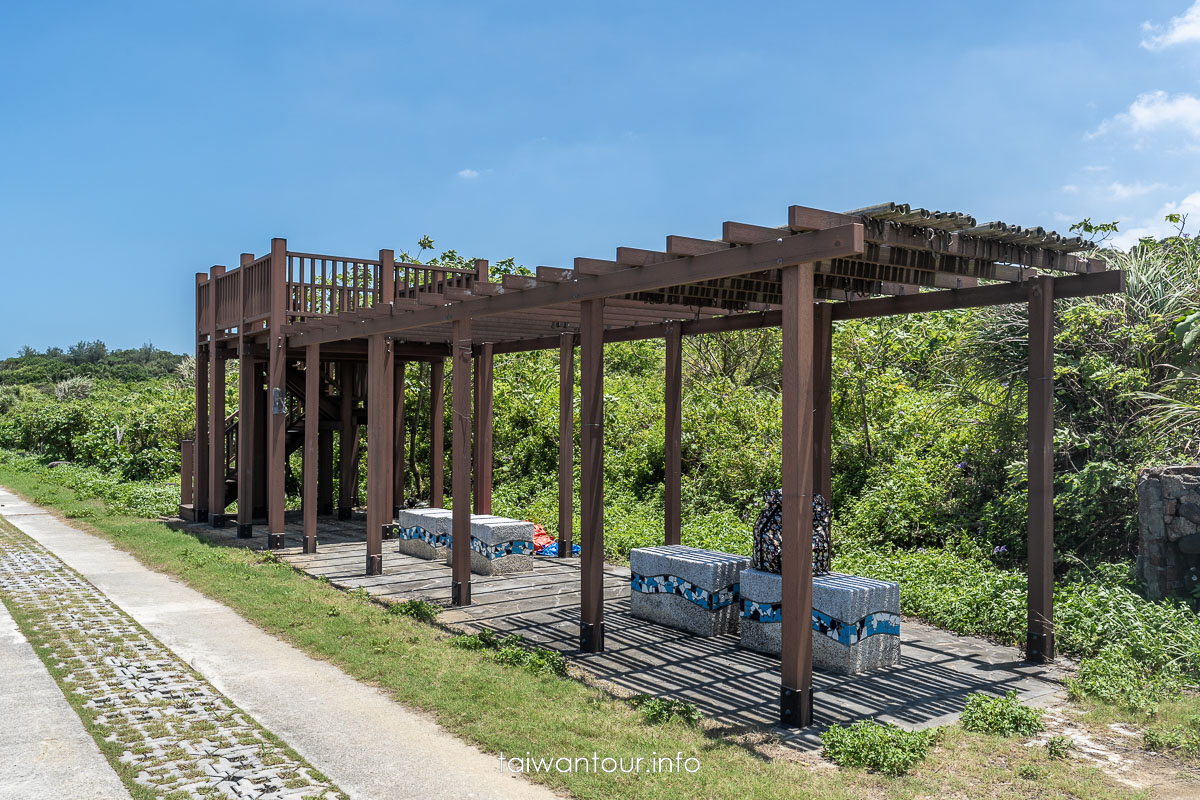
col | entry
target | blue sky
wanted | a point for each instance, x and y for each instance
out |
(142, 142)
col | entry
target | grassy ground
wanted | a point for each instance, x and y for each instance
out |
(505, 709)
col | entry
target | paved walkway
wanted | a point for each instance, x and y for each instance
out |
(366, 744)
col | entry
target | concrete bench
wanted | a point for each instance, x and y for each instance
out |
(686, 588)
(498, 544)
(855, 621)
(422, 532)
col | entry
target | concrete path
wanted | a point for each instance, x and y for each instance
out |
(365, 743)
(44, 749)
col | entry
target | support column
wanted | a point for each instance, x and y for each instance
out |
(398, 431)
(1040, 643)
(245, 441)
(261, 408)
(186, 471)
(348, 463)
(437, 432)
(325, 469)
(277, 397)
(380, 367)
(566, 443)
(483, 430)
(591, 475)
(823, 401)
(460, 553)
(796, 698)
(312, 428)
(216, 410)
(200, 450)
(673, 432)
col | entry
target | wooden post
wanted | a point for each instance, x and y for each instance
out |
(796, 699)
(1040, 643)
(277, 397)
(387, 276)
(245, 430)
(460, 555)
(483, 428)
(823, 401)
(591, 475)
(312, 426)
(566, 442)
(673, 432)
(325, 470)
(398, 431)
(437, 432)
(380, 366)
(186, 470)
(200, 451)
(216, 409)
(261, 407)
(348, 463)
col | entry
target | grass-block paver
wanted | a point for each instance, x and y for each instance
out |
(167, 727)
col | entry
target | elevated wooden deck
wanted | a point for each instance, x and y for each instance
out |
(735, 687)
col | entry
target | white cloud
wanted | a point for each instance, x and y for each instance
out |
(1180, 30)
(1095, 168)
(1124, 191)
(468, 174)
(1155, 111)
(1156, 225)
(1069, 188)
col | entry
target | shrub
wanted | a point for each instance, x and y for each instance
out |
(76, 388)
(1057, 747)
(884, 748)
(511, 650)
(657, 710)
(1000, 716)
(421, 610)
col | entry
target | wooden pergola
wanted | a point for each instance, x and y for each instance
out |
(333, 315)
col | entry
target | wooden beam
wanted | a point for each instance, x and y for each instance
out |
(437, 432)
(216, 409)
(245, 444)
(380, 367)
(460, 548)
(673, 432)
(796, 695)
(483, 426)
(733, 261)
(348, 464)
(1040, 642)
(687, 246)
(566, 443)
(591, 477)
(823, 401)
(312, 426)
(276, 422)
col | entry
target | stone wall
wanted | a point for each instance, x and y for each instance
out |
(1168, 560)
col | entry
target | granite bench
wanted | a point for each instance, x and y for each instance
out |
(855, 621)
(686, 588)
(422, 532)
(498, 544)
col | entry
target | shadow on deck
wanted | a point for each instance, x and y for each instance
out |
(737, 688)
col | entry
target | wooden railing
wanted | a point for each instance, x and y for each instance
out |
(414, 279)
(257, 286)
(319, 286)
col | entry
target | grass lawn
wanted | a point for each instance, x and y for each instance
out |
(506, 709)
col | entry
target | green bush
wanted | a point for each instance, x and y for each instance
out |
(884, 748)
(657, 710)
(1000, 716)
(511, 650)
(421, 610)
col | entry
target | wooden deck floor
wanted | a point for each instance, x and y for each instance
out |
(738, 688)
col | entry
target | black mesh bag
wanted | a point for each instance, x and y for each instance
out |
(767, 539)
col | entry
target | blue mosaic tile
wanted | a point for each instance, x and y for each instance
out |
(843, 632)
(519, 547)
(671, 584)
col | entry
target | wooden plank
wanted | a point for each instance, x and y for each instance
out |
(591, 477)
(566, 443)
(687, 246)
(731, 262)
(673, 432)
(796, 661)
(554, 275)
(1040, 641)
(597, 266)
(519, 282)
(460, 555)
(437, 432)
(312, 426)
(637, 257)
(483, 440)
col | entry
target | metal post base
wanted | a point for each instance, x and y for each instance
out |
(275, 541)
(795, 707)
(310, 545)
(245, 530)
(344, 514)
(375, 565)
(564, 549)
(460, 594)
(390, 532)
(201, 515)
(218, 520)
(1040, 648)
(591, 637)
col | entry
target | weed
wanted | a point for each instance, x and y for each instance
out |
(1058, 746)
(421, 610)
(884, 748)
(1000, 716)
(657, 710)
